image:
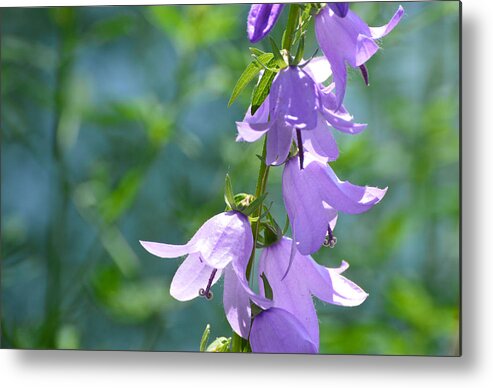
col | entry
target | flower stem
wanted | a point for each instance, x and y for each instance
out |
(263, 175)
(239, 344)
(290, 27)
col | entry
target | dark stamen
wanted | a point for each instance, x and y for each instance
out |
(300, 148)
(330, 239)
(207, 292)
(364, 73)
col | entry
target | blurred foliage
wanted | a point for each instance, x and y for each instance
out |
(115, 128)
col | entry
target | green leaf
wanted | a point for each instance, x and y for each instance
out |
(237, 343)
(267, 288)
(262, 90)
(249, 74)
(256, 310)
(205, 337)
(287, 38)
(255, 51)
(229, 197)
(299, 52)
(277, 53)
(286, 226)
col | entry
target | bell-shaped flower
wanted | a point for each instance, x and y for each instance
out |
(349, 40)
(313, 196)
(222, 244)
(261, 19)
(298, 102)
(278, 331)
(292, 323)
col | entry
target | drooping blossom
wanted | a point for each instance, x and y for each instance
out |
(340, 9)
(278, 331)
(349, 40)
(314, 195)
(261, 19)
(222, 244)
(292, 324)
(298, 101)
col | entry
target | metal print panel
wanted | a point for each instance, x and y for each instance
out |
(267, 178)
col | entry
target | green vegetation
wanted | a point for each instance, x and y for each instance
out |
(116, 127)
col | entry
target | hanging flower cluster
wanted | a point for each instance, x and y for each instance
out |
(295, 105)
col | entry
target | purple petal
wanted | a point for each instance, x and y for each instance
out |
(166, 250)
(239, 266)
(304, 205)
(337, 115)
(290, 292)
(342, 196)
(277, 331)
(320, 142)
(253, 127)
(261, 115)
(379, 32)
(365, 48)
(223, 238)
(342, 40)
(340, 9)
(293, 99)
(250, 132)
(332, 216)
(328, 285)
(278, 143)
(261, 19)
(192, 275)
(318, 69)
(340, 77)
(236, 303)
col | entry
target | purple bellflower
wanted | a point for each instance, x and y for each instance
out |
(349, 39)
(222, 244)
(278, 331)
(292, 324)
(313, 196)
(298, 102)
(261, 19)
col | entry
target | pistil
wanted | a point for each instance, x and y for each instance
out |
(330, 239)
(207, 293)
(364, 73)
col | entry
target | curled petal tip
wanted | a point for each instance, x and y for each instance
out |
(344, 266)
(165, 250)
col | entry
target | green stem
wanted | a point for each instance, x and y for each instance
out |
(291, 27)
(239, 344)
(263, 175)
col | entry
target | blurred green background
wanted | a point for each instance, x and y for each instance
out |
(115, 128)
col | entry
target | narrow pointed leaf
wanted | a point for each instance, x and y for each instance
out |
(300, 51)
(248, 75)
(267, 288)
(255, 51)
(275, 49)
(262, 90)
(205, 337)
(229, 197)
